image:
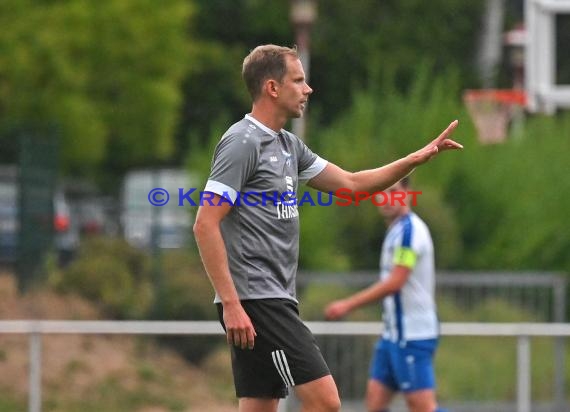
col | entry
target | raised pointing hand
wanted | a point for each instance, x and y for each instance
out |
(439, 144)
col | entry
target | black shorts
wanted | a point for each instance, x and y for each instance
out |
(285, 352)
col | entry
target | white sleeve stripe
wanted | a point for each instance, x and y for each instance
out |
(221, 189)
(317, 167)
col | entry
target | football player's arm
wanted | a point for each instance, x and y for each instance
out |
(404, 261)
(239, 329)
(333, 177)
(392, 284)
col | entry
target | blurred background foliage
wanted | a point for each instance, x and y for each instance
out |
(140, 83)
(123, 283)
(106, 73)
(384, 88)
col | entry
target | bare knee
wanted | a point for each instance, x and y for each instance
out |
(421, 401)
(422, 407)
(258, 405)
(333, 404)
(329, 403)
(378, 396)
(320, 395)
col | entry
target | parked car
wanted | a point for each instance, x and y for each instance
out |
(173, 222)
(96, 215)
(65, 225)
(66, 228)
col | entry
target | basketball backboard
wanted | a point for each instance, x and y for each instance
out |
(544, 94)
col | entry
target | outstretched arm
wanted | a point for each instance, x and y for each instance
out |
(333, 177)
(395, 282)
(239, 329)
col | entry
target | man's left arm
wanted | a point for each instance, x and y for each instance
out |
(333, 177)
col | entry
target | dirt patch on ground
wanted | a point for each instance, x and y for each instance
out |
(77, 365)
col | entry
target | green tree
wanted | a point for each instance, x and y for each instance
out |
(382, 125)
(349, 38)
(105, 73)
(214, 90)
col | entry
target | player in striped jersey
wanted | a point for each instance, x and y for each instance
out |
(403, 356)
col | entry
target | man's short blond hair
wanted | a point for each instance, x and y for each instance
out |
(263, 63)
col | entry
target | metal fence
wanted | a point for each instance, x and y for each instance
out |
(542, 294)
(536, 296)
(522, 332)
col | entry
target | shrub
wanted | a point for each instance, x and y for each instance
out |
(112, 274)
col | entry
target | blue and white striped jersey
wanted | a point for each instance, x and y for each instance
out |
(410, 314)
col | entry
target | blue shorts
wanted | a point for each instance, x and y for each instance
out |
(408, 368)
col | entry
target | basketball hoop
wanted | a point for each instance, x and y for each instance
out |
(492, 110)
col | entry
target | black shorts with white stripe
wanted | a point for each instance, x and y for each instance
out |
(285, 353)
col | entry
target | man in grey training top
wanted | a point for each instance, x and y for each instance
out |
(248, 235)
